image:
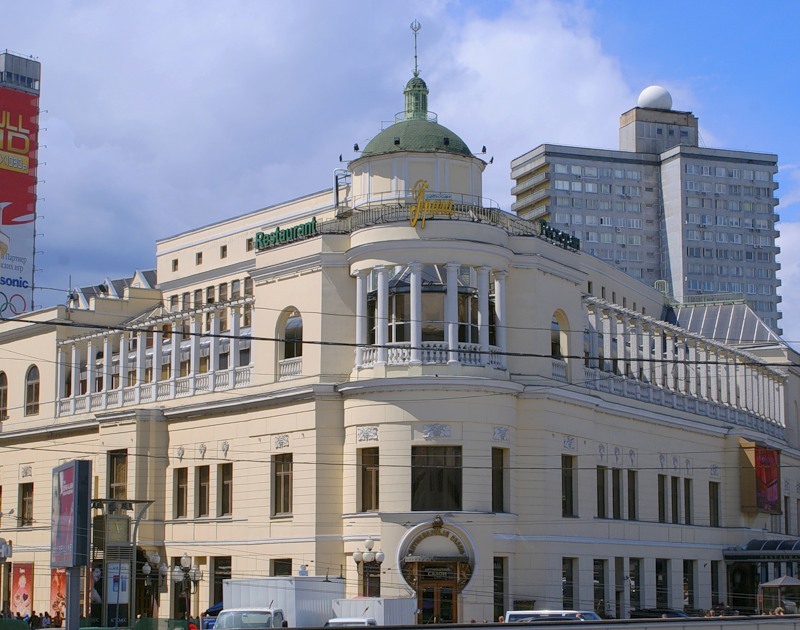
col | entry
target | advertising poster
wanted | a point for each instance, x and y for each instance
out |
(768, 466)
(58, 592)
(19, 113)
(22, 588)
(62, 531)
(118, 580)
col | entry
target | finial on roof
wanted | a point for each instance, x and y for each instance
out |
(415, 26)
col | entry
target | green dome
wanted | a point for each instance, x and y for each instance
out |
(416, 135)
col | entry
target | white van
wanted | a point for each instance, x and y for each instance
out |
(347, 622)
(524, 616)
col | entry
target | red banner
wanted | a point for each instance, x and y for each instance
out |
(22, 588)
(19, 128)
(58, 592)
(768, 479)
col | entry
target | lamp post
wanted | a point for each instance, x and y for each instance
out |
(365, 561)
(188, 576)
(159, 571)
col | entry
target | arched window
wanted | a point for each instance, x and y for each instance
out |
(558, 336)
(293, 336)
(3, 396)
(32, 391)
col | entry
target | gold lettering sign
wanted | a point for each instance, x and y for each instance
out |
(424, 207)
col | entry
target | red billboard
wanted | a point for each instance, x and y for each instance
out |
(22, 588)
(19, 130)
(768, 479)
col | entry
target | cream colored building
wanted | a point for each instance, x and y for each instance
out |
(511, 422)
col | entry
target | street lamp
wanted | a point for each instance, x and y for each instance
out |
(366, 561)
(159, 571)
(187, 575)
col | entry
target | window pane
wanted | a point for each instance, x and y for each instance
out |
(436, 478)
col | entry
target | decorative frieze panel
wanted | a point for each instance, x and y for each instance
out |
(281, 441)
(367, 434)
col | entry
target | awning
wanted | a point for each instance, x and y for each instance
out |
(765, 550)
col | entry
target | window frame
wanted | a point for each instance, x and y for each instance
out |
(436, 478)
(282, 484)
(32, 390)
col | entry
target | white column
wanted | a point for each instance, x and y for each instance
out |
(702, 368)
(61, 378)
(141, 349)
(723, 376)
(361, 315)
(382, 316)
(637, 350)
(123, 364)
(233, 344)
(213, 351)
(194, 359)
(483, 312)
(594, 324)
(76, 375)
(175, 358)
(500, 315)
(90, 370)
(622, 335)
(416, 313)
(451, 313)
(741, 383)
(658, 356)
(158, 341)
(108, 367)
(671, 368)
(608, 326)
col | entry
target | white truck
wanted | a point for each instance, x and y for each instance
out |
(302, 602)
(387, 611)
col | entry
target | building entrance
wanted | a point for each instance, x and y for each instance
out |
(437, 603)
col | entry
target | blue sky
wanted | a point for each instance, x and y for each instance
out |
(163, 116)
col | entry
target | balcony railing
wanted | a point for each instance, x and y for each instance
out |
(434, 353)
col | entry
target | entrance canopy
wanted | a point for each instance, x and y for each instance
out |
(758, 550)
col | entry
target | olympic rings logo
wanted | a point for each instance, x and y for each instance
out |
(12, 305)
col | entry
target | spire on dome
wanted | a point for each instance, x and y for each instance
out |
(416, 91)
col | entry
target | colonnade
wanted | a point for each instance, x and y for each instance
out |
(156, 359)
(635, 346)
(416, 351)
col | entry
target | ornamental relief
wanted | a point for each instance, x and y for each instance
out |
(281, 441)
(433, 431)
(367, 434)
(500, 434)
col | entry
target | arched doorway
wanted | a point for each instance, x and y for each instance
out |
(437, 563)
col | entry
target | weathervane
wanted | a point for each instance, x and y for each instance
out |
(415, 26)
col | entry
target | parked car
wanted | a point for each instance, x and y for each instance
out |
(525, 616)
(657, 613)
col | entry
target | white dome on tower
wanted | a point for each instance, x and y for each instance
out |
(655, 97)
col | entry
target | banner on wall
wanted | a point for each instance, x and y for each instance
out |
(22, 588)
(19, 127)
(760, 477)
(58, 592)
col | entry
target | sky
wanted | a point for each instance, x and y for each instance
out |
(160, 116)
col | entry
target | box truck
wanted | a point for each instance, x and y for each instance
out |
(303, 601)
(387, 611)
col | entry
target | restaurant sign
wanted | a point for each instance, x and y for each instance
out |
(282, 236)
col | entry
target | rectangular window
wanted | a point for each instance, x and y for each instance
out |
(675, 483)
(713, 503)
(687, 501)
(600, 599)
(174, 264)
(281, 566)
(198, 258)
(662, 498)
(568, 468)
(662, 583)
(633, 496)
(500, 586)
(25, 506)
(568, 575)
(499, 474)
(221, 567)
(181, 480)
(616, 493)
(602, 492)
(715, 594)
(224, 489)
(202, 476)
(118, 474)
(249, 244)
(282, 484)
(436, 478)
(369, 479)
(635, 582)
(223, 251)
(786, 515)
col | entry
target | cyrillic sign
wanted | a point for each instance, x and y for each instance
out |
(428, 204)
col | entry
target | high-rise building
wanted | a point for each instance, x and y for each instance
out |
(695, 222)
(19, 126)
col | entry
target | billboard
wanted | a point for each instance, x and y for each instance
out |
(19, 129)
(69, 528)
(759, 477)
(22, 588)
